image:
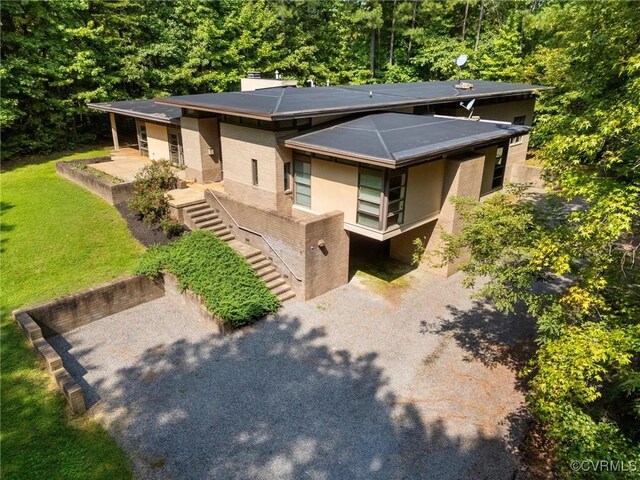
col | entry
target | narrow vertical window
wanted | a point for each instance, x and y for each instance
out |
(302, 180)
(498, 169)
(518, 121)
(397, 195)
(254, 171)
(287, 176)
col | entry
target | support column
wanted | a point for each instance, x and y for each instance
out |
(114, 131)
(201, 149)
(462, 178)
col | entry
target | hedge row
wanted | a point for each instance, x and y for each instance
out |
(210, 268)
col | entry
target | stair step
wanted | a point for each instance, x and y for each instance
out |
(256, 258)
(280, 289)
(197, 208)
(209, 223)
(205, 217)
(275, 283)
(270, 276)
(283, 297)
(218, 228)
(261, 263)
(207, 212)
(253, 254)
(265, 270)
(227, 237)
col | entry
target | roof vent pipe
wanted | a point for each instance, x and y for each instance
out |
(277, 75)
(311, 83)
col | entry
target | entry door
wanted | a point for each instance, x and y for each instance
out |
(175, 149)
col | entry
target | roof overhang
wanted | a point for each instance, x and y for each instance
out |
(395, 140)
(144, 109)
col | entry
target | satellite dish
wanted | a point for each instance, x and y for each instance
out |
(468, 106)
(461, 60)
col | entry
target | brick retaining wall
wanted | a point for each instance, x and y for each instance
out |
(72, 311)
(319, 268)
(112, 193)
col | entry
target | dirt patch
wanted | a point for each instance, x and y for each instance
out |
(145, 234)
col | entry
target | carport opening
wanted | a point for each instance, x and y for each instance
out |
(372, 257)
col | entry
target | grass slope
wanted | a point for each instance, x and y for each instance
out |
(56, 238)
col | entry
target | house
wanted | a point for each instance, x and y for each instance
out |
(303, 173)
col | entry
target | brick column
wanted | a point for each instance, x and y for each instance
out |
(462, 178)
(199, 135)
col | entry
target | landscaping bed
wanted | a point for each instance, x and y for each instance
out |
(146, 234)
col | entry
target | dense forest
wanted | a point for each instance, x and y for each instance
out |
(584, 379)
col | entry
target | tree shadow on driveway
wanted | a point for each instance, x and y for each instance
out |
(274, 401)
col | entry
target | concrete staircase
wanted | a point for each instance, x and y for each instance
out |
(200, 216)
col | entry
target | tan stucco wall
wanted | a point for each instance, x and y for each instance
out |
(424, 190)
(157, 139)
(334, 186)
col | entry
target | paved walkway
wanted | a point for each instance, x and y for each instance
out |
(374, 380)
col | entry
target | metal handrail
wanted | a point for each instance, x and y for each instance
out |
(255, 233)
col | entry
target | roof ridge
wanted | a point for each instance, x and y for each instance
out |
(275, 109)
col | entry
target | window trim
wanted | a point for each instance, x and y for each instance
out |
(301, 158)
(288, 177)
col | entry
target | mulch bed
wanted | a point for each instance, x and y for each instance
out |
(145, 234)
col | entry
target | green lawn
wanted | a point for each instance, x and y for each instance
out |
(56, 238)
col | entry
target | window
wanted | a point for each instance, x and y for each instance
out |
(143, 144)
(302, 180)
(287, 176)
(519, 120)
(254, 171)
(498, 169)
(397, 195)
(370, 187)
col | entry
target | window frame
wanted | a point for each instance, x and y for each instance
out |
(518, 120)
(298, 176)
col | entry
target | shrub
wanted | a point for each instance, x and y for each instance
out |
(171, 227)
(149, 192)
(210, 268)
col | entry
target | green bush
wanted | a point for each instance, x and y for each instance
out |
(210, 268)
(149, 193)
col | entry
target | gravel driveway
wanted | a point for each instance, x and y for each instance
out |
(404, 380)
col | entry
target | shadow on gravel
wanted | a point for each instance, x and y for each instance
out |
(488, 335)
(273, 401)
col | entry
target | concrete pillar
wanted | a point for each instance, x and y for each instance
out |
(114, 131)
(462, 178)
(201, 149)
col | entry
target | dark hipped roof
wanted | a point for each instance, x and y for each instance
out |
(286, 103)
(397, 139)
(147, 109)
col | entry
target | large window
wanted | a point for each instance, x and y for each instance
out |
(498, 169)
(519, 120)
(302, 180)
(370, 194)
(397, 195)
